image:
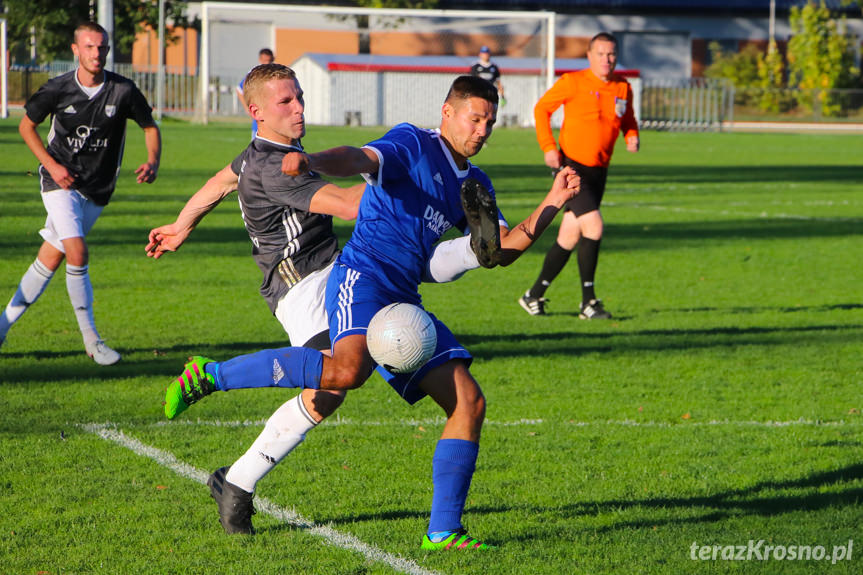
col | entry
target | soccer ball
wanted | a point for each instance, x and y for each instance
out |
(401, 337)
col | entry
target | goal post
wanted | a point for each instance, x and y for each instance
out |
(4, 72)
(232, 34)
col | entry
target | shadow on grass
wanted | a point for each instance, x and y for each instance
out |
(766, 498)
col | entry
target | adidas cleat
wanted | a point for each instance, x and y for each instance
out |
(532, 305)
(482, 218)
(101, 353)
(193, 384)
(455, 541)
(235, 504)
(593, 310)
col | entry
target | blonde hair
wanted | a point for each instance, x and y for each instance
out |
(260, 75)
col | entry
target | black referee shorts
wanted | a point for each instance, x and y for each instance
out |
(592, 187)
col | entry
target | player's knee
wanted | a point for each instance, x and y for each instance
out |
(342, 377)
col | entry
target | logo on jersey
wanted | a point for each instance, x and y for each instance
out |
(435, 221)
(84, 138)
(70, 109)
(438, 178)
(620, 107)
(110, 110)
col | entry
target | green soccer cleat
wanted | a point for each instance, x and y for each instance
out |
(193, 384)
(458, 540)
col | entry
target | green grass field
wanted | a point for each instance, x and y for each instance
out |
(721, 405)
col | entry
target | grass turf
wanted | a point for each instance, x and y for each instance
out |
(720, 405)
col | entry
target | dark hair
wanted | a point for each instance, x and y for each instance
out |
(266, 52)
(89, 27)
(465, 87)
(602, 37)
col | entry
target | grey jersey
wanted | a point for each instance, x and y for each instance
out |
(288, 242)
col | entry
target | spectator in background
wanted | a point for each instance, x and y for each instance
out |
(487, 70)
(265, 56)
(597, 105)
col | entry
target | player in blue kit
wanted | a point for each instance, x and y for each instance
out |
(416, 191)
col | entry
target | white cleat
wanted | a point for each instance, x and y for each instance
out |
(101, 353)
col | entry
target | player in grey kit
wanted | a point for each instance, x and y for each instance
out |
(89, 108)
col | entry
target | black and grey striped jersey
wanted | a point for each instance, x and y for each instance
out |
(88, 133)
(288, 242)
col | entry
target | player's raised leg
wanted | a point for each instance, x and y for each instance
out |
(482, 218)
(453, 388)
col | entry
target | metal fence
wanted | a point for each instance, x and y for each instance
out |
(690, 104)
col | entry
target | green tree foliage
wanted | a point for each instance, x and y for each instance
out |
(55, 21)
(819, 59)
(771, 75)
(741, 68)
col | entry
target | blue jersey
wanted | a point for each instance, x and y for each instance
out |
(407, 206)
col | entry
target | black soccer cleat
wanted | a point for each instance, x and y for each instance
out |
(481, 212)
(235, 504)
(593, 310)
(532, 305)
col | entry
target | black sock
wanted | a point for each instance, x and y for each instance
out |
(588, 256)
(555, 260)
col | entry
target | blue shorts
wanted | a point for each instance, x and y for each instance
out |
(353, 299)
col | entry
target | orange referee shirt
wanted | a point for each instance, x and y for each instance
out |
(594, 112)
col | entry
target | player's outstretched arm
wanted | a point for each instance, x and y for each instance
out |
(336, 201)
(515, 241)
(342, 162)
(147, 171)
(169, 238)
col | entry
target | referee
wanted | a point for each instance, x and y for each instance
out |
(597, 106)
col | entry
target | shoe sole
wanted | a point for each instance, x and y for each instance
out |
(481, 212)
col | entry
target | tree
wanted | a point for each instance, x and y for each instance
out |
(54, 22)
(741, 68)
(771, 75)
(819, 59)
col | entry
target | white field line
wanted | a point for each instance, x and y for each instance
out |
(345, 421)
(328, 534)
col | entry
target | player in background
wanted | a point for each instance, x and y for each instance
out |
(421, 183)
(597, 106)
(487, 70)
(89, 108)
(265, 56)
(289, 222)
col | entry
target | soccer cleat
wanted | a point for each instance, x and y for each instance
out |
(193, 384)
(235, 504)
(482, 218)
(101, 353)
(532, 305)
(593, 310)
(457, 540)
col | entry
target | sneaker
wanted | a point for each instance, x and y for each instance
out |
(593, 310)
(482, 218)
(532, 305)
(101, 353)
(457, 540)
(193, 384)
(235, 504)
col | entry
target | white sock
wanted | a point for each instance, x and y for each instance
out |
(81, 295)
(450, 260)
(285, 430)
(33, 283)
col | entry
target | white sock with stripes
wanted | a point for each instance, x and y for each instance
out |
(33, 283)
(285, 430)
(81, 295)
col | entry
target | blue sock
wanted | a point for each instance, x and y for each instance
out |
(452, 469)
(285, 367)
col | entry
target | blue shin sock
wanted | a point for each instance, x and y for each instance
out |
(452, 469)
(285, 367)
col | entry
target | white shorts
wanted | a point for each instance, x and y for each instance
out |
(70, 215)
(302, 311)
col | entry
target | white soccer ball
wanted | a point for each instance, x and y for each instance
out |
(401, 337)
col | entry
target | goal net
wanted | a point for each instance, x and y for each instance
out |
(374, 66)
